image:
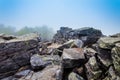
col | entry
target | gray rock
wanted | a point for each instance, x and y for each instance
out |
(93, 71)
(49, 73)
(74, 43)
(7, 68)
(9, 78)
(111, 75)
(73, 57)
(105, 57)
(7, 37)
(74, 76)
(86, 34)
(78, 43)
(108, 42)
(41, 61)
(89, 52)
(22, 73)
(37, 62)
(116, 58)
(116, 35)
(15, 53)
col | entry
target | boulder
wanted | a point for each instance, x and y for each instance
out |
(73, 57)
(62, 35)
(81, 71)
(16, 53)
(108, 42)
(111, 75)
(49, 73)
(7, 68)
(89, 52)
(74, 76)
(116, 35)
(75, 43)
(93, 71)
(41, 61)
(37, 62)
(116, 58)
(105, 57)
(87, 35)
(22, 73)
(7, 37)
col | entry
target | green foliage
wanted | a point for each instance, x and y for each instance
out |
(45, 32)
(24, 30)
(7, 29)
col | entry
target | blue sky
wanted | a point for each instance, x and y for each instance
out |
(100, 14)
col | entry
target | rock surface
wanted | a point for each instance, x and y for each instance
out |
(93, 71)
(87, 35)
(116, 57)
(16, 53)
(108, 42)
(79, 54)
(74, 76)
(73, 57)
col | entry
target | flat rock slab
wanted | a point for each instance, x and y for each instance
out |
(73, 57)
(40, 61)
(108, 42)
(16, 53)
(93, 71)
(49, 73)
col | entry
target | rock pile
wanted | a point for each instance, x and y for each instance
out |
(87, 35)
(81, 54)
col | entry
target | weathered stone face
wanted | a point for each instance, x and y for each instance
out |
(93, 71)
(73, 57)
(105, 57)
(79, 57)
(86, 34)
(74, 76)
(16, 53)
(41, 61)
(111, 75)
(116, 58)
(108, 42)
(49, 73)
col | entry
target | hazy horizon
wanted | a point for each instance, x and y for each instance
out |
(99, 14)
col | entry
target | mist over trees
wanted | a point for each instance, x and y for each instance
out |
(45, 31)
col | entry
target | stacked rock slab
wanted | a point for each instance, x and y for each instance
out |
(112, 44)
(93, 71)
(87, 35)
(15, 53)
(79, 57)
(73, 57)
(116, 58)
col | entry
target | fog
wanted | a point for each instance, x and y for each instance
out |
(45, 32)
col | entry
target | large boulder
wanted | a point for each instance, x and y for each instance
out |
(7, 37)
(116, 58)
(74, 76)
(108, 42)
(104, 57)
(93, 71)
(111, 75)
(37, 62)
(116, 35)
(73, 57)
(87, 35)
(49, 73)
(41, 61)
(16, 53)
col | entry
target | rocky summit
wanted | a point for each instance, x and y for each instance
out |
(72, 54)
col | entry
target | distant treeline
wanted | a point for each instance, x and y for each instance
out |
(45, 32)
